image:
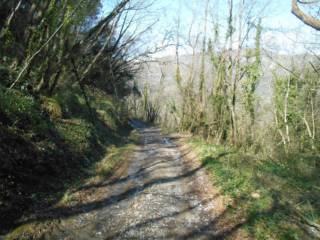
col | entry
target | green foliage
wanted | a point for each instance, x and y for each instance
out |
(145, 107)
(114, 157)
(230, 29)
(214, 59)
(77, 133)
(20, 109)
(72, 103)
(41, 60)
(264, 192)
(294, 101)
(253, 76)
(178, 77)
(7, 39)
(38, 154)
(258, 43)
(52, 107)
(50, 128)
(4, 75)
(95, 174)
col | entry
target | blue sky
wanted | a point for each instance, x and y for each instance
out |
(282, 30)
(278, 13)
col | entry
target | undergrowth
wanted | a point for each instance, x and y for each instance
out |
(277, 199)
(49, 143)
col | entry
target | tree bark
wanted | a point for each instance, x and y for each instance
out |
(305, 18)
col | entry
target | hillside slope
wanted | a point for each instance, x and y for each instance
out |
(47, 144)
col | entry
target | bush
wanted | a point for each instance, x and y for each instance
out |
(20, 109)
(4, 75)
(71, 104)
(78, 133)
(51, 107)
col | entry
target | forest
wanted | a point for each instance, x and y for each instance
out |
(103, 101)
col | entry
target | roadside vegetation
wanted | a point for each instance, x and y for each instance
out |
(78, 189)
(68, 86)
(45, 155)
(65, 69)
(270, 199)
(261, 145)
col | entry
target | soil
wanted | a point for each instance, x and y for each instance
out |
(162, 192)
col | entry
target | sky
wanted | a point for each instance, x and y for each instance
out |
(282, 31)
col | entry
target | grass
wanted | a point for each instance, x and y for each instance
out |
(115, 157)
(274, 197)
(52, 144)
(96, 174)
(100, 171)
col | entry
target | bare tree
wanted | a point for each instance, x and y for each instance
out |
(304, 17)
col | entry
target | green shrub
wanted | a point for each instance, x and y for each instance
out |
(52, 107)
(4, 75)
(265, 191)
(77, 133)
(21, 109)
(71, 104)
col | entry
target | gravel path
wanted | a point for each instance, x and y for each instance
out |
(154, 199)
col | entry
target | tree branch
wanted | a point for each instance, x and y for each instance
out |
(307, 19)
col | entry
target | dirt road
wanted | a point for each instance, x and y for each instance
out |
(154, 199)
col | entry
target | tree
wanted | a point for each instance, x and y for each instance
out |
(253, 75)
(306, 18)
